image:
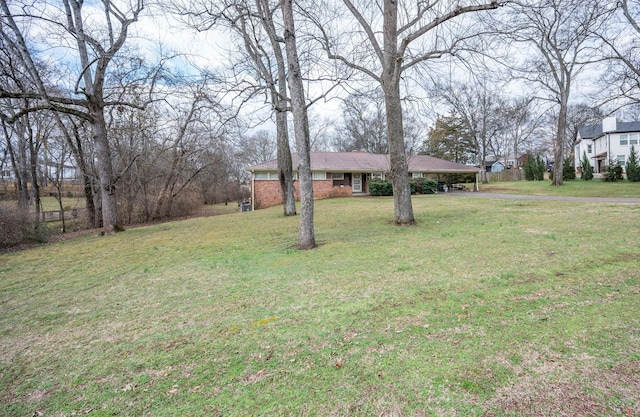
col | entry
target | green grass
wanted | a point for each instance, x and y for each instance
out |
(576, 188)
(485, 307)
(51, 204)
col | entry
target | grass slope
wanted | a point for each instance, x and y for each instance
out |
(485, 308)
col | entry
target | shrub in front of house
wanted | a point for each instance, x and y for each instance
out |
(380, 188)
(423, 186)
(457, 178)
(420, 186)
(412, 187)
(612, 172)
(429, 186)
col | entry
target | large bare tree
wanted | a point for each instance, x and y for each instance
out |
(392, 37)
(559, 35)
(620, 37)
(364, 124)
(255, 22)
(477, 105)
(521, 126)
(260, 68)
(96, 41)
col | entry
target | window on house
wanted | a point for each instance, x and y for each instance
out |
(416, 175)
(319, 175)
(589, 148)
(633, 139)
(376, 175)
(337, 176)
(621, 159)
(624, 140)
(271, 175)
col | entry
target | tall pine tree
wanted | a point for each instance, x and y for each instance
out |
(633, 166)
(587, 170)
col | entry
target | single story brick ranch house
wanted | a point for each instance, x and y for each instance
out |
(343, 174)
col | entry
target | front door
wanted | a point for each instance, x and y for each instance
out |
(357, 183)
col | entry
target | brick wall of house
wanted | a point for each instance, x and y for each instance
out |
(267, 192)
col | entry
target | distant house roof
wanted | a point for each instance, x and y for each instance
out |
(492, 163)
(367, 162)
(595, 131)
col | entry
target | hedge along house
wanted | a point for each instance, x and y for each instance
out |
(344, 174)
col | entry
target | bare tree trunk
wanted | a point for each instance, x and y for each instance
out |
(21, 168)
(22, 198)
(285, 165)
(105, 173)
(306, 238)
(391, 69)
(164, 195)
(278, 92)
(399, 170)
(77, 150)
(35, 182)
(279, 99)
(558, 144)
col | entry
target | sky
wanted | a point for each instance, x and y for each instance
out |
(156, 31)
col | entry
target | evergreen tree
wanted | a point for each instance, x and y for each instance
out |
(568, 170)
(449, 139)
(613, 172)
(529, 168)
(587, 170)
(633, 166)
(540, 166)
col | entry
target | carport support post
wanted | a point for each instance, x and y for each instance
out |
(477, 186)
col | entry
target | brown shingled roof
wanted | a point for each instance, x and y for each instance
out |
(367, 162)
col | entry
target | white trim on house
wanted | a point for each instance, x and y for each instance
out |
(607, 141)
(318, 175)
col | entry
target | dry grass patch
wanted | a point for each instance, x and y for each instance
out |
(548, 384)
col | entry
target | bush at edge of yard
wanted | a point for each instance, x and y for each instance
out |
(18, 227)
